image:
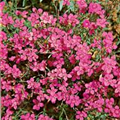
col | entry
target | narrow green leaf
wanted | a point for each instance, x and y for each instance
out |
(24, 3)
(117, 51)
(37, 79)
(61, 5)
(72, 7)
(118, 42)
(60, 118)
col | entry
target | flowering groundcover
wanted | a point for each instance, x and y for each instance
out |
(60, 66)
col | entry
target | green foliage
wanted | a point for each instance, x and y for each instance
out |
(96, 116)
(72, 6)
(61, 5)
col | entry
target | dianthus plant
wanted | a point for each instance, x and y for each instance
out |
(58, 66)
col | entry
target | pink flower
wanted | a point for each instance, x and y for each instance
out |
(92, 28)
(117, 88)
(42, 65)
(66, 2)
(109, 64)
(86, 23)
(34, 19)
(16, 72)
(73, 100)
(3, 51)
(102, 22)
(40, 10)
(19, 23)
(52, 95)
(109, 102)
(37, 105)
(17, 12)
(7, 19)
(29, 54)
(81, 3)
(23, 14)
(2, 4)
(94, 7)
(81, 115)
(72, 59)
(43, 117)
(92, 87)
(28, 116)
(4, 100)
(69, 19)
(6, 85)
(96, 43)
(108, 80)
(72, 19)
(38, 66)
(116, 111)
(98, 104)
(58, 72)
(101, 13)
(8, 114)
(15, 103)
(46, 18)
(108, 42)
(30, 83)
(3, 36)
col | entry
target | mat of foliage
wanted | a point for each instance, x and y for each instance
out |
(60, 63)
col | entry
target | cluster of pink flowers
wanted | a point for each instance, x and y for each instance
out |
(82, 5)
(81, 115)
(44, 117)
(69, 19)
(29, 116)
(108, 41)
(48, 64)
